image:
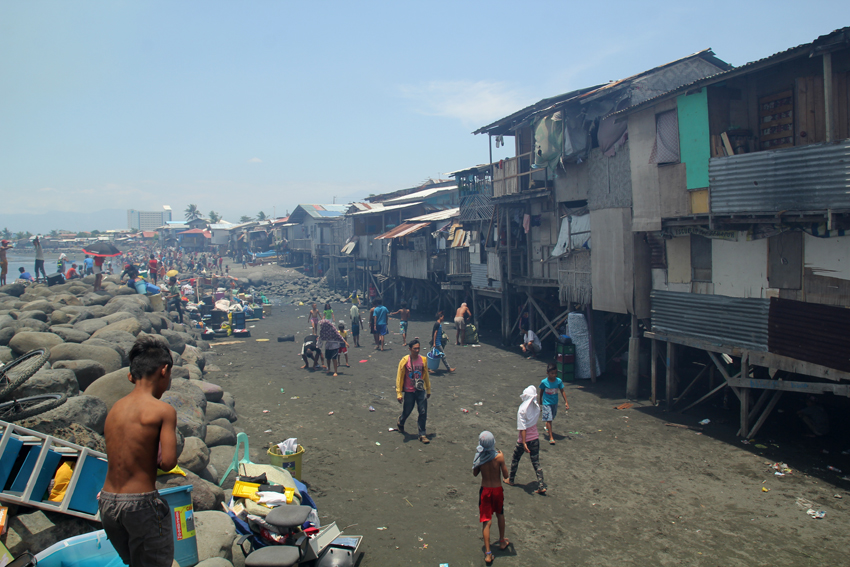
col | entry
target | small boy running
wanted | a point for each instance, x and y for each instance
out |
(548, 398)
(314, 319)
(404, 317)
(491, 498)
(140, 436)
(344, 350)
(529, 438)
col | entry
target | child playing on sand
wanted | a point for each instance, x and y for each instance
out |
(548, 398)
(344, 350)
(490, 463)
(140, 437)
(329, 312)
(528, 441)
(404, 317)
(314, 319)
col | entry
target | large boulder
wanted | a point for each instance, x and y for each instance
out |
(6, 355)
(74, 433)
(95, 298)
(24, 342)
(179, 372)
(111, 387)
(216, 534)
(213, 392)
(188, 339)
(14, 289)
(191, 390)
(89, 325)
(60, 317)
(228, 400)
(108, 357)
(135, 304)
(34, 531)
(33, 314)
(175, 340)
(190, 417)
(6, 335)
(123, 349)
(157, 322)
(195, 455)
(86, 371)
(50, 381)
(256, 278)
(194, 372)
(69, 335)
(38, 305)
(218, 411)
(221, 458)
(221, 422)
(219, 436)
(205, 495)
(193, 355)
(65, 299)
(29, 324)
(129, 325)
(87, 411)
(119, 316)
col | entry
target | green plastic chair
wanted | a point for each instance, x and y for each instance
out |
(241, 441)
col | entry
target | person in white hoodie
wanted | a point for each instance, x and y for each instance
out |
(528, 440)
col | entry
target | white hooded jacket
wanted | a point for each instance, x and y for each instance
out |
(529, 409)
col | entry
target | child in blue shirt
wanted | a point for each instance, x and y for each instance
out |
(548, 398)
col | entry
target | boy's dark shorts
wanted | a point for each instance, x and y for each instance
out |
(355, 330)
(139, 528)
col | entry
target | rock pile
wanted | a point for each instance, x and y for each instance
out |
(90, 335)
(300, 289)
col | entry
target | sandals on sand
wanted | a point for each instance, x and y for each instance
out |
(424, 439)
(488, 558)
(399, 426)
(504, 543)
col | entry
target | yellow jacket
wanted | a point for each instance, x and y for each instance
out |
(402, 370)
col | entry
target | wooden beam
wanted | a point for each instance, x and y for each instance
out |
(705, 397)
(557, 321)
(542, 314)
(521, 309)
(695, 343)
(770, 360)
(671, 375)
(692, 384)
(589, 315)
(789, 386)
(653, 365)
(776, 395)
(759, 403)
(745, 412)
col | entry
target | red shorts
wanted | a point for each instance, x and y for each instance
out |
(491, 500)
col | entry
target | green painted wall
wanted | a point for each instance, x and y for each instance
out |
(694, 149)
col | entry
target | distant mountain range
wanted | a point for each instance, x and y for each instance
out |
(43, 223)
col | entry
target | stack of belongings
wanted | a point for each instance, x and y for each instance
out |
(258, 490)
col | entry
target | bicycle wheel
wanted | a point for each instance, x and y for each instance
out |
(21, 369)
(16, 410)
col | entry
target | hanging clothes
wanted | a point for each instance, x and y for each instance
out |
(526, 222)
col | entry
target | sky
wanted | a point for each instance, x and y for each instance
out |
(239, 107)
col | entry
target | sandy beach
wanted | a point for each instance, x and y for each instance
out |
(623, 487)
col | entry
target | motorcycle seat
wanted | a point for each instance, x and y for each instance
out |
(274, 556)
(288, 517)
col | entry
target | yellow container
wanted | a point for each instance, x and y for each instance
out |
(245, 490)
(291, 463)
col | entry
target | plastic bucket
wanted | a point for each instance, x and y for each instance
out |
(433, 362)
(87, 550)
(292, 463)
(157, 303)
(141, 286)
(179, 500)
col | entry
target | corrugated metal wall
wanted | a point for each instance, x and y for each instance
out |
(807, 178)
(412, 264)
(480, 279)
(811, 332)
(717, 319)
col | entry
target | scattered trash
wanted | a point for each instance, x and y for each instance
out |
(464, 410)
(816, 514)
(294, 397)
(705, 422)
(376, 443)
(364, 360)
(251, 326)
(330, 413)
(391, 429)
(623, 406)
(382, 528)
(765, 489)
(745, 441)
(760, 446)
(262, 340)
(781, 469)
(844, 477)
(282, 391)
(266, 411)
(833, 469)
(479, 403)
(838, 496)
(777, 473)
(267, 431)
(371, 408)
(847, 452)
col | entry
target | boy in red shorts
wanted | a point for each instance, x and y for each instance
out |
(490, 463)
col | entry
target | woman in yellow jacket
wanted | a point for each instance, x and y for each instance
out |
(413, 387)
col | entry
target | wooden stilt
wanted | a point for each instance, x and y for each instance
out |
(590, 341)
(692, 384)
(776, 395)
(745, 399)
(671, 375)
(705, 397)
(653, 365)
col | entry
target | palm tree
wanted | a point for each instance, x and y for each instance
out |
(214, 217)
(245, 218)
(192, 212)
(54, 233)
(20, 235)
(261, 216)
(7, 234)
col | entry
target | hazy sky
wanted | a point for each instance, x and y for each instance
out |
(242, 106)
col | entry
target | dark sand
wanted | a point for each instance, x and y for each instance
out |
(624, 489)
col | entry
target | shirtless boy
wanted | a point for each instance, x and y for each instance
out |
(404, 317)
(460, 323)
(314, 319)
(140, 436)
(4, 263)
(491, 464)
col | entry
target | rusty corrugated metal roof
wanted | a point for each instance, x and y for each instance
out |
(403, 229)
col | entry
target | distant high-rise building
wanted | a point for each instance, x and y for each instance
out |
(148, 220)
